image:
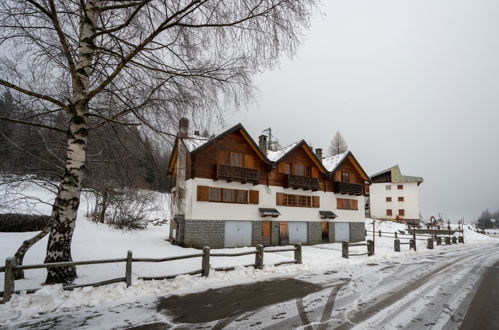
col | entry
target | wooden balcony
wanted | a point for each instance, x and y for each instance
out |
(235, 173)
(302, 182)
(347, 188)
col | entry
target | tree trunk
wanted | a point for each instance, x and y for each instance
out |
(68, 197)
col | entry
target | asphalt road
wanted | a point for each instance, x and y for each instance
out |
(447, 289)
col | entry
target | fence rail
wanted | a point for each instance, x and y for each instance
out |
(345, 253)
(10, 267)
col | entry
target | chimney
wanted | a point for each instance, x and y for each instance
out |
(183, 127)
(318, 152)
(262, 143)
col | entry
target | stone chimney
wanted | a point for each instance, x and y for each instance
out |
(183, 127)
(318, 152)
(262, 143)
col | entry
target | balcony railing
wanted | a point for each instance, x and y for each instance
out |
(235, 173)
(303, 182)
(347, 188)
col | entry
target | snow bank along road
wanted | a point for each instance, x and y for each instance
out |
(432, 291)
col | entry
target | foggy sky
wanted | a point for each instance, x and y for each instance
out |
(413, 83)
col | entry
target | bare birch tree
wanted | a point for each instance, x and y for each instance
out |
(338, 145)
(134, 63)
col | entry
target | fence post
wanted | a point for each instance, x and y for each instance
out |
(259, 257)
(447, 240)
(366, 232)
(430, 244)
(344, 249)
(396, 245)
(128, 269)
(205, 265)
(461, 239)
(396, 235)
(412, 244)
(370, 248)
(379, 232)
(454, 240)
(439, 240)
(9, 280)
(298, 259)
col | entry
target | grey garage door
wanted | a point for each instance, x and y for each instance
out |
(297, 232)
(341, 231)
(237, 233)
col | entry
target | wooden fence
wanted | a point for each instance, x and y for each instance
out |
(10, 267)
(345, 253)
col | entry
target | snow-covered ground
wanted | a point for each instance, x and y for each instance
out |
(99, 241)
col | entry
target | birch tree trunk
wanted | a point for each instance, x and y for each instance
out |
(68, 198)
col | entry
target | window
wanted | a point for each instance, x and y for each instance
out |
(401, 212)
(242, 196)
(388, 187)
(229, 195)
(347, 204)
(389, 212)
(287, 168)
(345, 176)
(236, 159)
(297, 200)
(400, 186)
(401, 199)
(388, 199)
(299, 169)
(215, 194)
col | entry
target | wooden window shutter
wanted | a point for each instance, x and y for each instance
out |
(355, 204)
(338, 203)
(315, 172)
(281, 168)
(279, 199)
(254, 196)
(316, 201)
(222, 157)
(203, 193)
(249, 161)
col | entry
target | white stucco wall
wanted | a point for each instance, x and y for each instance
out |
(195, 210)
(379, 205)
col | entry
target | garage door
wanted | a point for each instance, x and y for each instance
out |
(342, 231)
(237, 233)
(297, 232)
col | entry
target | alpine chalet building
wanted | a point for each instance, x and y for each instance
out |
(229, 191)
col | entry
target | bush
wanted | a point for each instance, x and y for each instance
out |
(15, 222)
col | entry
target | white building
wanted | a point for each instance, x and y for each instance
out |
(394, 196)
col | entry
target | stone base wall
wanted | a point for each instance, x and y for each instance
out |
(199, 233)
(357, 231)
(314, 233)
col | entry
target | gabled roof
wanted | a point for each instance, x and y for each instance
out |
(277, 156)
(332, 163)
(397, 177)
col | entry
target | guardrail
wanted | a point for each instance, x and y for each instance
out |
(10, 267)
(345, 253)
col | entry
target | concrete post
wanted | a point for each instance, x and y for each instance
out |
(9, 280)
(298, 259)
(259, 257)
(379, 232)
(439, 240)
(396, 235)
(128, 269)
(396, 245)
(461, 239)
(454, 240)
(205, 264)
(344, 249)
(430, 244)
(447, 240)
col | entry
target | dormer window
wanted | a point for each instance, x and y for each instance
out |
(345, 176)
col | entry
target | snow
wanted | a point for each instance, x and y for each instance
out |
(330, 163)
(194, 142)
(274, 156)
(99, 241)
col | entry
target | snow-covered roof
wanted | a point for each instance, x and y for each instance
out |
(194, 142)
(278, 154)
(330, 163)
